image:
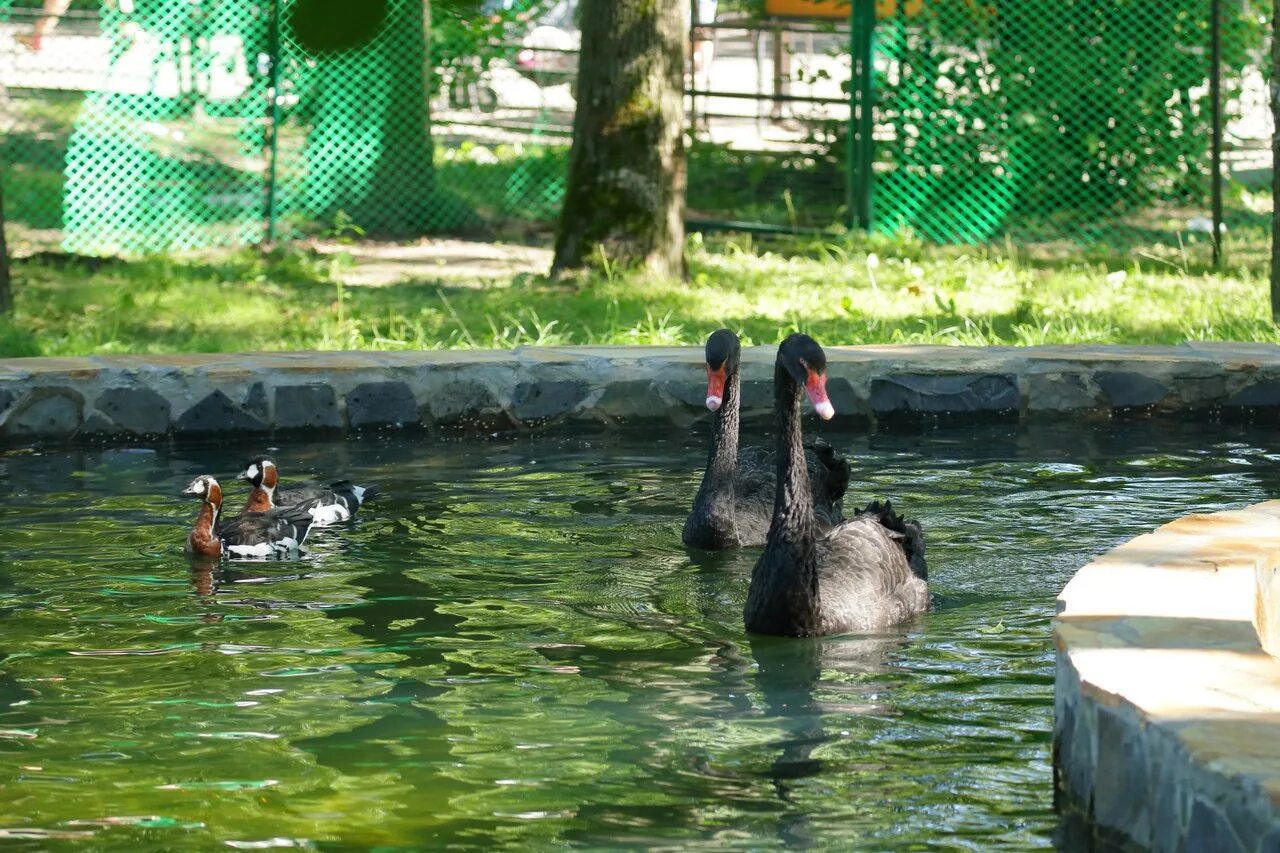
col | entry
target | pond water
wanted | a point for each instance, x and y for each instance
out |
(511, 649)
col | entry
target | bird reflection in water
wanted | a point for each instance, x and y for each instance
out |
(789, 674)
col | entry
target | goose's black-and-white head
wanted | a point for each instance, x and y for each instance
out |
(206, 488)
(261, 473)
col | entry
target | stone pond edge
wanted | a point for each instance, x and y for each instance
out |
(1167, 691)
(180, 396)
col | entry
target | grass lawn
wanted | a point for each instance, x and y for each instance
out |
(841, 290)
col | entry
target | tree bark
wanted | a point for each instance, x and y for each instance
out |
(6, 295)
(625, 198)
(1275, 162)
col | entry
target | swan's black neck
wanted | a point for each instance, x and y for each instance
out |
(792, 532)
(793, 504)
(714, 506)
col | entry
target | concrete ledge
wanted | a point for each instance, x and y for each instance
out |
(1167, 730)
(202, 395)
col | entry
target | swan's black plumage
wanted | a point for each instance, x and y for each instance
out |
(734, 504)
(861, 574)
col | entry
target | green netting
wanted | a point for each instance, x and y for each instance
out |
(166, 124)
(173, 124)
(1076, 118)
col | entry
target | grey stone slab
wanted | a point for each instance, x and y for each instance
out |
(1270, 843)
(1126, 389)
(757, 396)
(1209, 832)
(7, 399)
(307, 407)
(46, 412)
(1056, 392)
(216, 413)
(460, 400)
(97, 424)
(1199, 392)
(843, 397)
(1264, 394)
(1167, 813)
(535, 401)
(945, 394)
(636, 399)
(140, 411)
(1120, 794)
(692, 394)
(255, 401)
(381, 404)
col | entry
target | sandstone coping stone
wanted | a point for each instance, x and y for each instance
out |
(1167, 702)
(224, 394)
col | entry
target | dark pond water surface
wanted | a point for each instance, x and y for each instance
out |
(512, 649)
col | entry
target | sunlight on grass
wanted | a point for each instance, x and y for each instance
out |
(841, 291)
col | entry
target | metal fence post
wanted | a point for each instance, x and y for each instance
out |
(273, 119)
(861, 152)
(1215, 112)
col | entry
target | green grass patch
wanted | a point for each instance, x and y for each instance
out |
(841, 290)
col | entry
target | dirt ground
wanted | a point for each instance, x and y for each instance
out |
(456, 261)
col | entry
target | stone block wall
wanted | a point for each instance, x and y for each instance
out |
(180, 396)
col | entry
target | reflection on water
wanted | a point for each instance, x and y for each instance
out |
(511, 649)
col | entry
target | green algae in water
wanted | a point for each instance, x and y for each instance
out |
(511, 649)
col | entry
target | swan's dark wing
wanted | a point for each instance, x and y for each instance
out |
(912, 537)
(754, 486)
(864, 579)
(828, 475)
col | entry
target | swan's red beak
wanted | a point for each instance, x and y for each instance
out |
(715, 387)
(816, 388)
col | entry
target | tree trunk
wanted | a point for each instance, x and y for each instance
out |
(6, 295)
(1275, 163)
(625, 198)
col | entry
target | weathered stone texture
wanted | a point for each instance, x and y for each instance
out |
(381, 404)
(1129, 390)
(944, 394)
(223, 394)
(217, 414)
(140, 411)
(547, 399)
(45, 412)
(1167, 731)
(307, 407)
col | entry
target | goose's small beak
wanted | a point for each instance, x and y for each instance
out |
(816, 388)
(191, 490)
(244, 475)
(715, 387)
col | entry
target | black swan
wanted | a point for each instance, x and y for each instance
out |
(865, 573)
(735, 501)
(327, 504)
(252, 534)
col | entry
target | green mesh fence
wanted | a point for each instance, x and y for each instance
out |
(156, 125)
(151, 125)
(1086, 119)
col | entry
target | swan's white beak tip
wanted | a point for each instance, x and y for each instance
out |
(825, 410)
(713, 402)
